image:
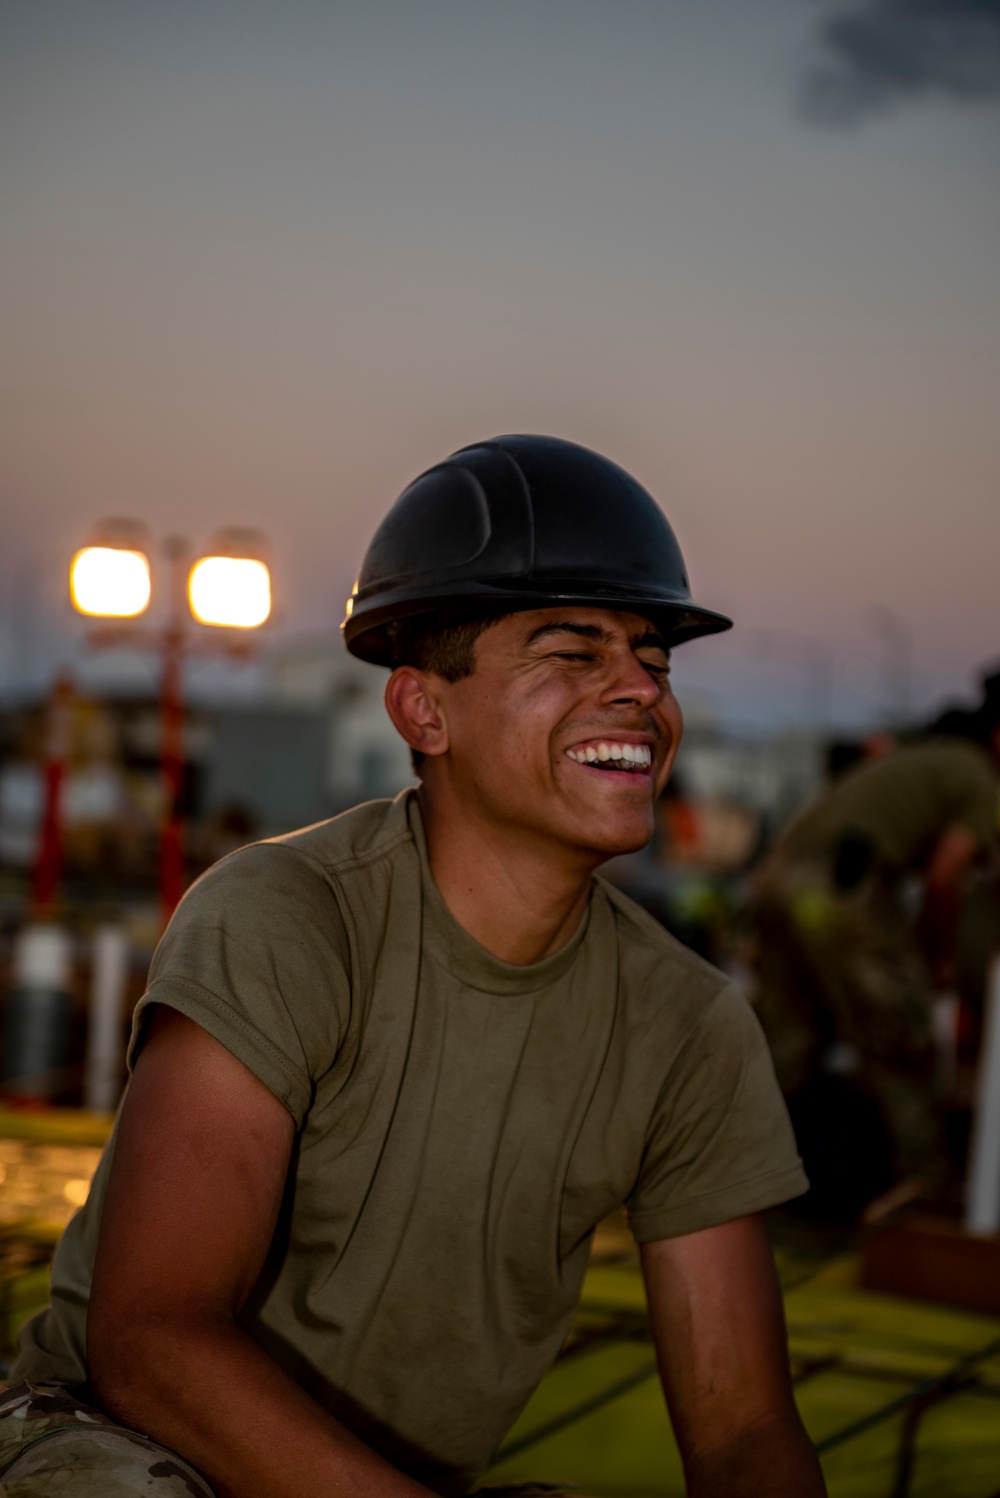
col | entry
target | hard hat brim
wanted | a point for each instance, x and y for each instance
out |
(367, 636)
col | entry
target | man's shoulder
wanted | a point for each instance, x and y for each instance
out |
(299, 868)
(928, 759)
(654, 964)
(961, 757)
(957, 776)
(363, 835)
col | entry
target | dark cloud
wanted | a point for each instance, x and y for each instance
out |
(889, 51)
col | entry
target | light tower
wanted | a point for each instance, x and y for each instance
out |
(213, 601)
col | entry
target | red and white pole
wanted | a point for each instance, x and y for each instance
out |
(36, 1028)
(58, 738)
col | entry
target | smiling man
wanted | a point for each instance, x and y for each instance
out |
(390, 1072)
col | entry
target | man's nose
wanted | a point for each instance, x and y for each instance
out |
(629, 681)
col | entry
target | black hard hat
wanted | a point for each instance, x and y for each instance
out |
(521, 523)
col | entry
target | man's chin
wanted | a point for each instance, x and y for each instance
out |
(624, 846)
(613, 840)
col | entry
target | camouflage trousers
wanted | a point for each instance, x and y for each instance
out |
(52, 1446)
(842, 986)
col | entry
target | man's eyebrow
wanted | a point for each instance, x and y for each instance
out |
(648, 639)
(587, 631)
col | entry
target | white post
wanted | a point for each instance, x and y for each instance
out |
(109, 975)
(37, 1022)
(982, 1207)
(43, 955)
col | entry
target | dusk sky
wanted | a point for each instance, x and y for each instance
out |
(263, 263)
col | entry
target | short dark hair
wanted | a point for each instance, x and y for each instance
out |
(444, 647)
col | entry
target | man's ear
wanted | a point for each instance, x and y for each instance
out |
(416, 710)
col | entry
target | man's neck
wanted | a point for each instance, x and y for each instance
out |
(518, 898)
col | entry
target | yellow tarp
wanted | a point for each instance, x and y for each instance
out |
(853, 1351)
(882, 1346)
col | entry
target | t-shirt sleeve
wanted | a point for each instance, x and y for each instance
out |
(719, 1144)
(975, 799)
(257, 954)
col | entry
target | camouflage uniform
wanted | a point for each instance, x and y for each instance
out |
(843, 985)
(52, 1446)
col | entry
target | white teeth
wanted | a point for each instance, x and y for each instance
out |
(632, 754)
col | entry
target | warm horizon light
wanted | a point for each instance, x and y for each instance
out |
(109, 582)
(231, 591)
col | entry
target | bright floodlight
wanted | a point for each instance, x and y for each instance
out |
(109, 582)
(232, 591)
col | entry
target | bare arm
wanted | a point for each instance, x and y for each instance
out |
(201, 1160)
(719, 1331)
(944, 881)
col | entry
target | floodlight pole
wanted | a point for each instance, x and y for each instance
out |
(172, 644)
(172, 732)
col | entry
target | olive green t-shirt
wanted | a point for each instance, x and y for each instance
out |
(462, 1126)
(903, 803)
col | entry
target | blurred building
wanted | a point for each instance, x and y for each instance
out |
(770, 777)
(365, 755)
(315, 741)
